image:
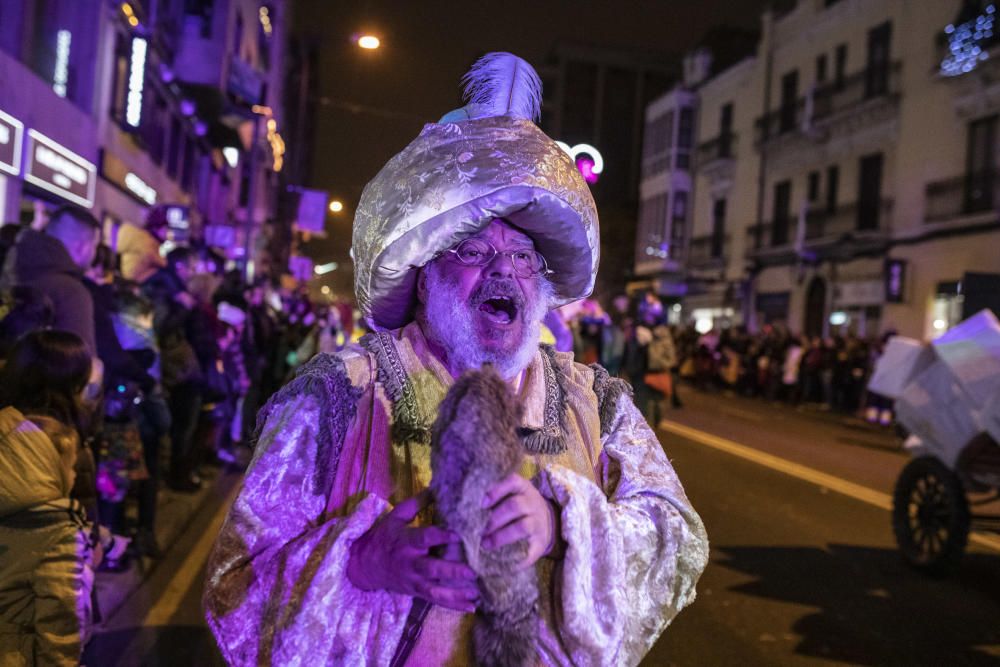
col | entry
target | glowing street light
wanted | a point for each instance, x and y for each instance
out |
(369, 42)
(336, 206)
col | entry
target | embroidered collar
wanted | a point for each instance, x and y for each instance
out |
(411, 424)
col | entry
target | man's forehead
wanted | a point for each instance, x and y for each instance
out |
(501, 230)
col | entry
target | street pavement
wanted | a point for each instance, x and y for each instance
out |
(803, 571)
(801, 574)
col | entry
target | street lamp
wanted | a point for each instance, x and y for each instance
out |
(336, 206)
(370, 42)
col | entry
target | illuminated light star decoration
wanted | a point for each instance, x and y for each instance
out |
(967, 42)
(588, 159)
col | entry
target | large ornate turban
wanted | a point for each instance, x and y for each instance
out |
(487, 160)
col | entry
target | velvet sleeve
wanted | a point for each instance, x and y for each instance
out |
(277, 591)
(635, 548)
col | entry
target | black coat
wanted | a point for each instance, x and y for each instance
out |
(119, 365)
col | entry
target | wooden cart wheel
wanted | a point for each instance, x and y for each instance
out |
(930, 516)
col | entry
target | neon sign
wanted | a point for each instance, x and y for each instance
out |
(11, 134)
(136, 82)
(61, 74)
(588, 160)
(140, 188)
(54, 168)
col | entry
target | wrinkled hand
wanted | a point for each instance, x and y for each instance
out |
(518, 511)
(396, 557)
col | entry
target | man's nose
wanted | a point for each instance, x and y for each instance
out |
(500, 266)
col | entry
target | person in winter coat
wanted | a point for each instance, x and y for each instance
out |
(180, 368)
(139, 249)
(54, 261)
(46, 574)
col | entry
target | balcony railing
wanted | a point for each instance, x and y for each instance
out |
(823, 226)
(968, 194)
(847, 219)
(868, 84)
(708, 251)
(784, 120)
(722, 147)
(830, 100)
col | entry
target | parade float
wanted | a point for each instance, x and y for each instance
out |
(947, 398)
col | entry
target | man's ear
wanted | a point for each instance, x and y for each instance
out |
(422, 285)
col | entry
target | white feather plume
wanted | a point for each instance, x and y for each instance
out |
(501, 84)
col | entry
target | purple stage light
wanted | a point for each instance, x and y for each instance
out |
(187, 107)
(200, 128)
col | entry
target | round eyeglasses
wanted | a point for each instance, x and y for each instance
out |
(478, 252)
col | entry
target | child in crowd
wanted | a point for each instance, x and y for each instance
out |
(49, 557)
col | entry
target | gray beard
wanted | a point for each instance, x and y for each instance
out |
(446, 319)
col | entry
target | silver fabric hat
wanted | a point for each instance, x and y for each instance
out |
(487, 160)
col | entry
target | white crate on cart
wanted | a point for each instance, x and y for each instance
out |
(901, 361)
(936, 408)
(971, 350)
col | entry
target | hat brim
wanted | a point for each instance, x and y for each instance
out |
(552, 223)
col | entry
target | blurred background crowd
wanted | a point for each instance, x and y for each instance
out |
(125, 372)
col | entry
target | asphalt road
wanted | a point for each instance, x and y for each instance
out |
(802, 575)
(803, 571)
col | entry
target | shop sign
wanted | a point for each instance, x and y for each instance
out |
(895, 280)
(220, 236)
(11, 135)
(117, 172)
(55, 168)
(860, 293)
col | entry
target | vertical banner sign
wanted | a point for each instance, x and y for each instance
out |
(300, 267)
(57, 169)
(11, 135)
(895, 280)
(312, 210)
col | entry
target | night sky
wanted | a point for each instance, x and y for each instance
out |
(373, 103)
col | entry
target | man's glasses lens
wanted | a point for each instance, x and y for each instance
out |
(475, 252)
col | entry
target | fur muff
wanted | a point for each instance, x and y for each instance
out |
(474, 444)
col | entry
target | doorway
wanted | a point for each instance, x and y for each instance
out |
(815, 307)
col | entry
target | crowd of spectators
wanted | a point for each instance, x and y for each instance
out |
(124, 372)
(634, 340)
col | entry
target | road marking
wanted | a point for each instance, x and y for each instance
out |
(842, 486)
(180, 584)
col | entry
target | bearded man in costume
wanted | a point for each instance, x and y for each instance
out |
(462, 243)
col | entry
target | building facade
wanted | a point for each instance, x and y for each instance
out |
(123, 108)
(845, 172)
(596, 97)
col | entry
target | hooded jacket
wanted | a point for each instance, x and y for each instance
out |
(45, 573)
(140, 253)
(42, 261)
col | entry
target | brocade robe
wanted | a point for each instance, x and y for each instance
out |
(348, 439)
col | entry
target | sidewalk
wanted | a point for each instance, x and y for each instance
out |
(175, 511)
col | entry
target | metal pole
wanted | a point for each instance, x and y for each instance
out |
(251, 191)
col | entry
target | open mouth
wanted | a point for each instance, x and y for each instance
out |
(499, 309)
